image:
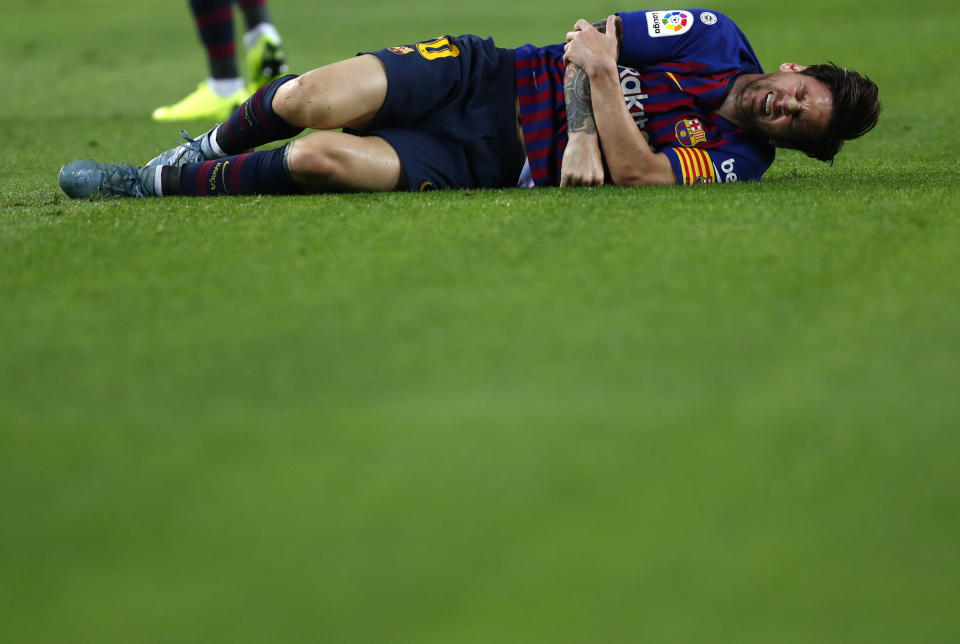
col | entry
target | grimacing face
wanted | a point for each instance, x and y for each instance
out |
(785, 106)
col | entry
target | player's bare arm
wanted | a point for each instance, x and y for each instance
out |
(628, 156)
(582, 160)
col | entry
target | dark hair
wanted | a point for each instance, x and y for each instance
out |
(856, 108)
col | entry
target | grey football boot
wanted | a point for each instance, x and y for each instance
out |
(195, 150)
(87, 178)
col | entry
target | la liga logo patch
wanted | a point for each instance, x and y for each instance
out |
(676, 20)
(672, 22)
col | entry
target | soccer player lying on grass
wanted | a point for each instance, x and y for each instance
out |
(649, 97)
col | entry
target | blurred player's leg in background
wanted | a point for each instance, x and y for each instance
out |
(224, 89)
(217, 96)
(266, 60)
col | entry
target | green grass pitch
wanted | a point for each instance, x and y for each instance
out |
(726, 414)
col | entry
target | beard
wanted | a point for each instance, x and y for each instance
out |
(743, 105)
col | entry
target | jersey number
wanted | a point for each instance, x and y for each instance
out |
(439, 48)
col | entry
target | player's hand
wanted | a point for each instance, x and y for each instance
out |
(589, 48)
(582, 162)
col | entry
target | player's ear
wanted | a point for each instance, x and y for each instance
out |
(792, 67)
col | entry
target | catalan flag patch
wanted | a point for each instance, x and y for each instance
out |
(695, 166)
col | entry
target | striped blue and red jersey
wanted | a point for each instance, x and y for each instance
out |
(676, 67)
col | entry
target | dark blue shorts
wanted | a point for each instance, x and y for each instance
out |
(450, 113)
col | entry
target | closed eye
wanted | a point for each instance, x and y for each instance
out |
(801, 95)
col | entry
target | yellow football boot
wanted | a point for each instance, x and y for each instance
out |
(203, 103)
(266, 60)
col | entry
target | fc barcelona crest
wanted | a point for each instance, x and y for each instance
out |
(690, 132)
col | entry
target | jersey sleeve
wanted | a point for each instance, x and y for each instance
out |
(657, 37)
(694, 166)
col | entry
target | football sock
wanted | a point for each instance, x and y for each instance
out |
(254, 12)
(209, 146)
(226, 86)
(254, 173)
(214, 21)
(169, 180)
(255, 123)
(267, 29)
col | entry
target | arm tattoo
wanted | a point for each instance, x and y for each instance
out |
(576, 91)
